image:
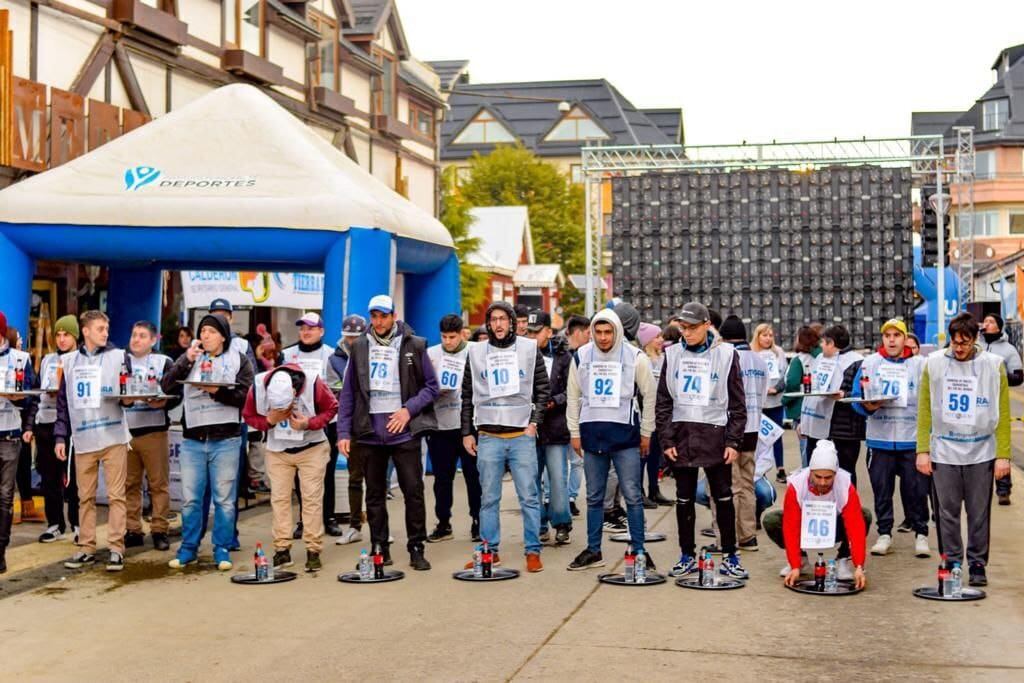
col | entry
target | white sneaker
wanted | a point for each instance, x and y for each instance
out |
(52, 534)
(844, 569)
(351, 535)
(805, 568)
(921, 548)
(883, 546)
(224, 566)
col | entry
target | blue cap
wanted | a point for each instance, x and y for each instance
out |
(382, 303)
(221, 305)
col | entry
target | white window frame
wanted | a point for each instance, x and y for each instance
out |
(995, 114)
(985, 164)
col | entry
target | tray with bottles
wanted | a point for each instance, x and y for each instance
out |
(140, 396)
(207, 383)
(801, 394)
(251, 579)
(861, 399)
(843, 587)
(14, 394)
(965, 594)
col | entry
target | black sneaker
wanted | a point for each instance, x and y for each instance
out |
(115, 562)
(297, 532)
(977, 575)
(1004, 498)
(709, 533)
(562, 536)
(282, 558)
(650, 561)
(780, 476)
(134, 539)
(332, 528)
(586, 560)
(904, 527)
(313, 563)
(3, 560)
(749, 545)
(51, 535)
(649, 504)
(474, 531)
(662, 500)
(417, 561)
(160, 542)
(442, 532)
(573, 510)
(79, 560)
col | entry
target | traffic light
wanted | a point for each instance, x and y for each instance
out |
(929, 230)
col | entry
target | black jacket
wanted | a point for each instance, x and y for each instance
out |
(846, 422)
(230, 396)
(541, 396)
(554, 429)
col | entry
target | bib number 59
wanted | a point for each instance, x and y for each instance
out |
(959, 403)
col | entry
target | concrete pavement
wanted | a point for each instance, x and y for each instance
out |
(151, 623)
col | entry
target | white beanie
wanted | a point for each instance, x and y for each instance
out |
(280, 393)
(824, 457)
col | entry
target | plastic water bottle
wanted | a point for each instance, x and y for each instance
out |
(947, 582)
(700, 565)
(259, 561)
(942, 574)
(640, 568)
(151, 387)
(831, 578)
(486, 560)
(957, 581)
(122, 380)
(10, 378)
(206, 369)
(820, 571)
(630, 570)
(365, 568)
(478, 563)
(19, 377)
(709, 571)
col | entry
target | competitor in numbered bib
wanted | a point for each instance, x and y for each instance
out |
(88, 414)
(147, 424)
(822, 417)
(994, 340)
(445, 445)
(893, 375)
(607, 380)
(553, 433)
(294, 405)
(821, 507)
(313, 355)
(754, 371)
(211, 446)
(386, 407)
(577, 333)
(504, 392)
(651, 341)
(701, 416)
(963, 440)
(806, 348)
(352, 328)
(58, 484)
(764, 492)
(16, 418)
(763, 343)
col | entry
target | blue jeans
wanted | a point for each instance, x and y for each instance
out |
(629, 468)
(520, 453)
(213, 464)
(764, 492)
(552, 460)
(575, 474)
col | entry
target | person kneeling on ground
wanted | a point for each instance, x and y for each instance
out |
(835, 517)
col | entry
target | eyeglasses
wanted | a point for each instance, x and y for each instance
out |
(961, 343)
(499, 319)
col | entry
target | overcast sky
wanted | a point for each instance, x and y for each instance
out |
(740, 70)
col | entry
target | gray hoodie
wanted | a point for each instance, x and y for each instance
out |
(1011, 359)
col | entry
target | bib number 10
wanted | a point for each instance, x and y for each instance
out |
(959, 403)
(500, 376)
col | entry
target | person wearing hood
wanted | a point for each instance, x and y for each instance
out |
(445, 444)
(837, 517)
(701, 417)
(294, 406)
(553, 434)
(352, 328)
(630, 318)
(100, 432)
(651, 341)
(754, 372)
(312, 354)
(610, 401)
(994, 340)
(893, 374)
(504, 395)
(823, 417)
(963, 440)
(211, 446)
(386, 407)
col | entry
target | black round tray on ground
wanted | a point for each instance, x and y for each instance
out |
(250, 579)
(652, 579)
(648, 538)
(389, 575)
(807, 586)
(723, 584)
(497, 574)
(932, 593)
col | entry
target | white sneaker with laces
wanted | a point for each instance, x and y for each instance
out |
(883, 546)
(805, 567)
(351, 535)
(844, 569)
(921, 548)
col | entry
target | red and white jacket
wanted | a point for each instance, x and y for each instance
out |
(843, 494)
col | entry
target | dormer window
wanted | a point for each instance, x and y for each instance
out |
(576, 125)
(484, 129)
(995, 114)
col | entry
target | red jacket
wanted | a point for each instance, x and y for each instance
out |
(853, 521)
(324, 402)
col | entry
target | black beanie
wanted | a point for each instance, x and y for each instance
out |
(217, 322)
(998, 318)
(733, 329)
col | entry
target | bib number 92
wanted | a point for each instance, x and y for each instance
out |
(603, 386)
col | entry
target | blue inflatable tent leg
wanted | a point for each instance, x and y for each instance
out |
(16, 286)
(367, 268)
(134, 295)
(431, 296)
(334, 286)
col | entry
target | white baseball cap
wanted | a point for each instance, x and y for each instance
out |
(382, 303)
(310, 320)
(280, 392)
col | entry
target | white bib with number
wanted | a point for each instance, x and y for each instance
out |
(86, 393)
(383, 368)
(772, 361)
(891, 379)
(312, 366)
(960, 400)
(283, 432)
(502, 373)
(605, 386)
(452, 368)
(818, 525)
(694, 382)
(823, 371)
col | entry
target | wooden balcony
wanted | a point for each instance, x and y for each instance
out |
(150, 20)
(251, 66)
(334, 101)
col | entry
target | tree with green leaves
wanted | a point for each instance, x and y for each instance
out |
(456, 217)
